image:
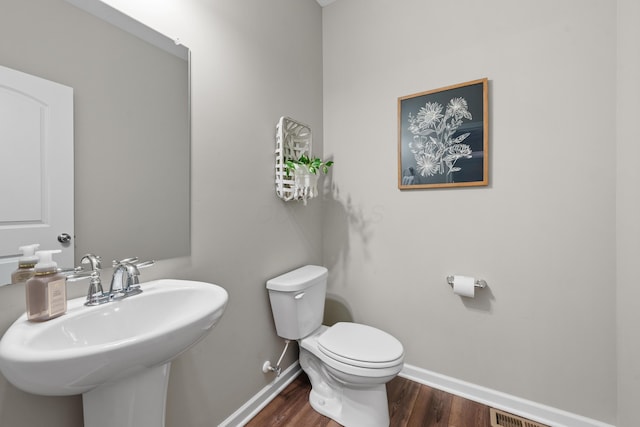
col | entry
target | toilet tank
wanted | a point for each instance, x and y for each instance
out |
(297, 301)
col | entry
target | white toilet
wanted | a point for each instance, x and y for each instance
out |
(348, 364)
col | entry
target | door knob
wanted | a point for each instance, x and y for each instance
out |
(64, 238)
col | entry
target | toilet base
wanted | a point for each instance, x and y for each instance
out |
(359, 408)
(352, 405)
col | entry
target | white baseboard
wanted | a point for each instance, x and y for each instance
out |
(250, 409)
(525, 408)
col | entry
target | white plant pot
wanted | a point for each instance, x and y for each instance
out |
(306, 184)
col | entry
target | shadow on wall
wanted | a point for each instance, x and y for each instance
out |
(336, 309)
(482, 301)
(343, 220)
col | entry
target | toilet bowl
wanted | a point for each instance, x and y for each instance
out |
(351, 390)
(348, 364)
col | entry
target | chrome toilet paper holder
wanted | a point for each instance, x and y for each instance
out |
(478, 283)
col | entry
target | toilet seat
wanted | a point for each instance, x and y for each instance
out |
(361, 345)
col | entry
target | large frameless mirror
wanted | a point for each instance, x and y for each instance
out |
(131, 122)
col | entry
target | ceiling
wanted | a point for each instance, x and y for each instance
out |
(324, 3)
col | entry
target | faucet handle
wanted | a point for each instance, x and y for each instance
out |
(69, 272)
(133, 269)
(77, 274)
(95, 294)
(133, 261)
(145, 264)
(116, 263)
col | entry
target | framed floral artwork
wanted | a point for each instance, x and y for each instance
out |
(443, 137)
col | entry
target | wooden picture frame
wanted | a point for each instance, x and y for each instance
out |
(443, 137)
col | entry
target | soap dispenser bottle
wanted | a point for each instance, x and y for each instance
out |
(26, 264)
(46, 290)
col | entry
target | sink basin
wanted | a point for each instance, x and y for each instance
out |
(105, 346)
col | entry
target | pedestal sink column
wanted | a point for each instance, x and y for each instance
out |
(136, 401)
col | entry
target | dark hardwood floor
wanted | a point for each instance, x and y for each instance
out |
(410, 404)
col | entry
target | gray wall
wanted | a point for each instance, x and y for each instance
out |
(251, 63)
(543, 234)
(628, 212)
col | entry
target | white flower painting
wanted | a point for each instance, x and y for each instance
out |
(435, 149)
(441, 136)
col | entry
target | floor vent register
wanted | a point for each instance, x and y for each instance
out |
(504, 419)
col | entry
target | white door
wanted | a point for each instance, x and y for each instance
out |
(36, 167)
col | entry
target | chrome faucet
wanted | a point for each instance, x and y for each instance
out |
(125, 281)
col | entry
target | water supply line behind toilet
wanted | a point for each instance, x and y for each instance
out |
(266, 366)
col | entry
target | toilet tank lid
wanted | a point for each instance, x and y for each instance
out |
(298, 279)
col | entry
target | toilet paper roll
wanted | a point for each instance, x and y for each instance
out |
(464, 286)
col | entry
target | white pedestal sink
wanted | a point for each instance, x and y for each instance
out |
(116, 355)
